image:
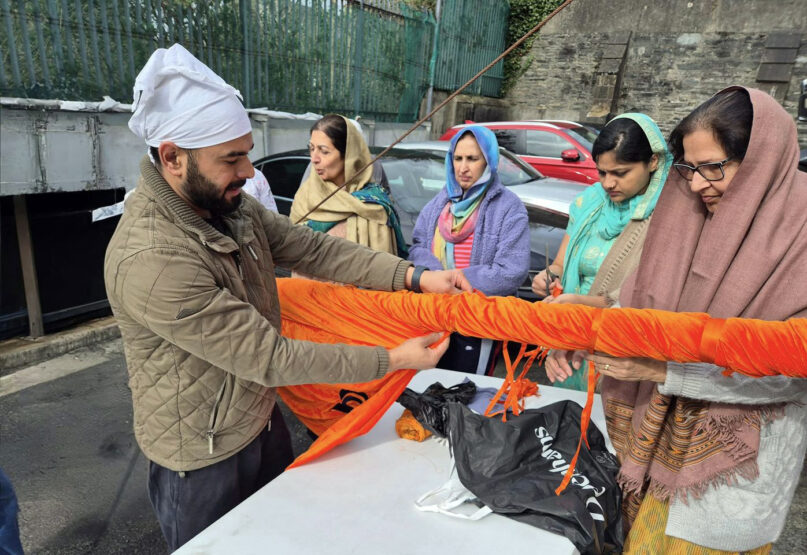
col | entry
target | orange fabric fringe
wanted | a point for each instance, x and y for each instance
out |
(515, 390)
(330, 313)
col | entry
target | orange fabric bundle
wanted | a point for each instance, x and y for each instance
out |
(408, 427)
(332, 313)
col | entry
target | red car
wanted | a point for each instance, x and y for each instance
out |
(556, 149)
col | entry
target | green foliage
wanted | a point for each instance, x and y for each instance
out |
(524, 15)
(429, 5)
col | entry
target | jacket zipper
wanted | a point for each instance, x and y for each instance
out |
(211, 431)
(237, 258)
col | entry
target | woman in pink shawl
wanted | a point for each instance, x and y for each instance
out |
(710, 462)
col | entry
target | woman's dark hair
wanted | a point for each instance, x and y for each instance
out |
(626, 139)
(335, 128)
(729, 116)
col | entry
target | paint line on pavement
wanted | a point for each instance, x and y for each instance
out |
(59, 367)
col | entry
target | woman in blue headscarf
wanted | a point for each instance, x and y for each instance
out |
(608, 222)
(476, 225)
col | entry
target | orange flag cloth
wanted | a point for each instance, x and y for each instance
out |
(330, 313)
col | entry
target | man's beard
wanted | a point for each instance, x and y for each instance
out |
(205, 194)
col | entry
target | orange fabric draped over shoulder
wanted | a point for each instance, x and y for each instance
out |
(330, 313)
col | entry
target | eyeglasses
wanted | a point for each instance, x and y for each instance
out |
(710, 171)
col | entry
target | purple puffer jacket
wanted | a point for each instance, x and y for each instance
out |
(500, 257)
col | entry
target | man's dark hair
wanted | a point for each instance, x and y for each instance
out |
(155, 155)
(729, 116)
(335, 128)
(626, 139)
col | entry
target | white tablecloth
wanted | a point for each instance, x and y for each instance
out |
(359, 498)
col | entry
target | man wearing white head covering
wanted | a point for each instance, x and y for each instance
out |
(189, 274)
(179, 99)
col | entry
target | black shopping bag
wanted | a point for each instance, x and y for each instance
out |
(514, 468)
(430, 407)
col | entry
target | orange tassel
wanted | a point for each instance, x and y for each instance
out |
(515, 390)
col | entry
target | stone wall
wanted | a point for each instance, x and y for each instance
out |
(461, 108)
(678, 54)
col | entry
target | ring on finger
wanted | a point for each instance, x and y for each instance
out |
(606, 367)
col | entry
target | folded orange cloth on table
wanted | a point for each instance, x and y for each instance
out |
(408, 427)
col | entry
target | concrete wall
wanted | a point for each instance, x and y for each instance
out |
(464, 107)
(678, 54)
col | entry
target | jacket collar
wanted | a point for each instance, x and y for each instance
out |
(189, 220)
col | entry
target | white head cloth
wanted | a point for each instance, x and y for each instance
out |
(177, 98)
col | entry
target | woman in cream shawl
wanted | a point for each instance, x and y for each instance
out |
(360, 212)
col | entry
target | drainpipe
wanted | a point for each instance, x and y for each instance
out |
(357, 63)
(245, 65)
(433, 61)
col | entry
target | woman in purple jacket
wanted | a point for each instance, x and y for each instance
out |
(476, 225)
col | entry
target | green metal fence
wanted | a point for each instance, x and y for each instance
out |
(367, 57)
(471, 34)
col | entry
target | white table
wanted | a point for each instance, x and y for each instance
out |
(359, 498)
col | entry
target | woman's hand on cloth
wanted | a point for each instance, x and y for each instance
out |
(543, 279)
(572, 298)
(563, 298)
(418, 353)
(630, 369)
(559, 364)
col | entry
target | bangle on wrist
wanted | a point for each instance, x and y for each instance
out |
(415, 285)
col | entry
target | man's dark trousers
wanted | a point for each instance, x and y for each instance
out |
(188, 502)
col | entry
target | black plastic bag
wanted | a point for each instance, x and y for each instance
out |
(429, 407)
(514, 468)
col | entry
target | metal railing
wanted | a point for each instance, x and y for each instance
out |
(471, 34)
(358, 57)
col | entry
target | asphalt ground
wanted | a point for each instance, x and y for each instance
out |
(67, 445)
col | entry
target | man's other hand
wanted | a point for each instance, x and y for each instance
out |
(418, 353)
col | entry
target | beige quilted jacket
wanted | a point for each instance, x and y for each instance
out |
(200, 319)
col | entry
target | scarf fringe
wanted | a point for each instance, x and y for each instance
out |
(721, 428)
(748, 470)
(724, 428)
(630, 485)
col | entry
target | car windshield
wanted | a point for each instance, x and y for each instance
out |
(414, 181)
(512, 171)
(584, 136)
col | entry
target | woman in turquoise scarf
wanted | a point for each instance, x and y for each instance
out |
(608, 222)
